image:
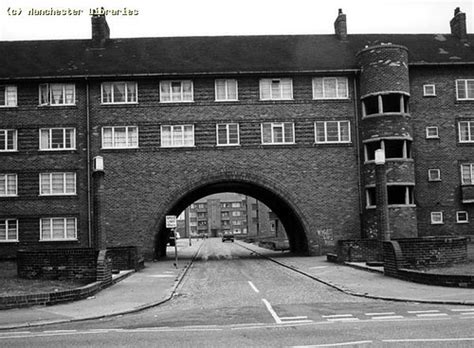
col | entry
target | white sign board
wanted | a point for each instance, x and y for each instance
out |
(171, 221)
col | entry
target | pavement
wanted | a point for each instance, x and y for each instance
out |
(158, 281)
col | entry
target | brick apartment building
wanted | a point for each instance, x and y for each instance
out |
(292, 121)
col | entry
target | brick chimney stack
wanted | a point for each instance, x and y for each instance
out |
(340, 26)
(100, 28)
(458, 25)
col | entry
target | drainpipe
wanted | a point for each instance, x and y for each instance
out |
(89, 173)
(357, 143)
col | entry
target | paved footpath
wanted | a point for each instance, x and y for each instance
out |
(157, 282)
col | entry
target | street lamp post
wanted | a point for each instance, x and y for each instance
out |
(381, 200)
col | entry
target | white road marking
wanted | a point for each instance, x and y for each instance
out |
(383, 313)
(253, 287)
(343, 319)
(428, 311)
(318, 267)
(59, 331)
(387, 317)
(467, 313)
(161, 276)
(294, 318)
(335, 344)
(430, 340)
(272, 312)
(431, 315)
(462, 309)
(285, 320)
(337, 315)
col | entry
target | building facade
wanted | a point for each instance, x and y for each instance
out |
(292, 121)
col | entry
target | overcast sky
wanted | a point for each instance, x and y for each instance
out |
(236, 17)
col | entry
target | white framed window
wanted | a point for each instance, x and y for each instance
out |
(57, 94)
(8, 185)
(227, 134)
(57, 138)
(58, 228)
(462, 217)
(236, 205)
(8, 140)
(397, 195)
(434, 175)
(119, 92)
(465, 89)
(177, 136)
(8, 96)
(466, 131)
(236, 213)
(237, 231)
(56, 184)
(330, 88)
(332, 132)
(437, 218)
(176, 91)
(467, 174)
(429, 90)
(226, 90)
(432, 132)
(278, 133)
(276, 89)
(393, 149)
(119, 137)
(8, 230)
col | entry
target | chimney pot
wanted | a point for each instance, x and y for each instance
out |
(100, 28)
(458, 25)
(340, 26)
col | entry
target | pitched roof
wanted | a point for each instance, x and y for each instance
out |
(214, 55)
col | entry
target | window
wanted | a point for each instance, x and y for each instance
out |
(393, 149)
(57, 94)
(57, 139)
(236, 213)
(429, 90)
(330, 88)
(58, 229)
(8, 96)
(434, 175)
(462, 217)
(236, 222)
(396, 195)
(276, 89)
(237, 231)
(278, 133)
(236, 205)
(437, 218)
(119, 92)
(466, 131)
(385, 103)
(176, 91)
(8, 140)
(8, 230)
(465, 89)
(57, 184)
(432, 132)
(8, 185)
(227, 134)
(119, 137)
(177, 136)
(467, 174)
(226, 90)
(332, 132)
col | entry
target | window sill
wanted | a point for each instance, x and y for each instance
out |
(55, 105)
(370, 207)
(434, 180)
(437, 223)
(432, 138)
(120, 148)
(226, 100)
(58, 240)
(386, 114)
(9, 241)
(9, 196)
(8, 106)
(59, 195)
(8, 151)
(462, 222)
(391, 160)
(56, 150)
(119, 104)
(227, 145)
(178, 147)
(177, 102)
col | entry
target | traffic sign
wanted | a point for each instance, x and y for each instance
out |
(171, 221)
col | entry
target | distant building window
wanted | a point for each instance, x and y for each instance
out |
(58, 229)
(226, 90)
(462, 217)
(119, 137)
(8, 185)
(57, 139)
(237, 231)
(278, 133)
(227, 134)
(236, 205)
(8, 96)
(429, 90)
(276, 89)
(8, 140)
(177, 136)
(119, 92)
(330, 88)
(236, 222)
(465, 89)
(176, 91)
(236, 213)
(466, 131)
(57, 94)
(467, 174)
(57, 184)
(432, 132)
(434, 175)
(332, 132)
(437, 218)
(8, 230)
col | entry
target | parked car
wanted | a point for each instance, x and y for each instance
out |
(227, 236)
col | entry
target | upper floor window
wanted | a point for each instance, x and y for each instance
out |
(396, 195)
(119, 92)
(276, 89)
(176, 91)
(432, 132)
(8, 185)
(385, 103)
(57, 184)
(8, 230)
(429, 90)
(462, 217)
(236, 205)
(57, 139)
(119, 137)
(278, 133)
(8, 96)
(437, 218)
(466, 131)
(467, 174)
(226, 90)
(58, 229)
(228, 134)
(434, 175)
(8, 140)
(465, 89)
(57, 94)
(177, 136)
(393, 149)
(332, 132)
(330, 88)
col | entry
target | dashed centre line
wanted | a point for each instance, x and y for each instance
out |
(253, 287)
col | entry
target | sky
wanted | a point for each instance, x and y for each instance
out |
(158, 18)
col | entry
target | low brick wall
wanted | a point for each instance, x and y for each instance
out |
(462, 281)
(358, 250)
(124, 258)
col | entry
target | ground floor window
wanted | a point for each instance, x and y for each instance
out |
(58, 229)
(8, 230)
